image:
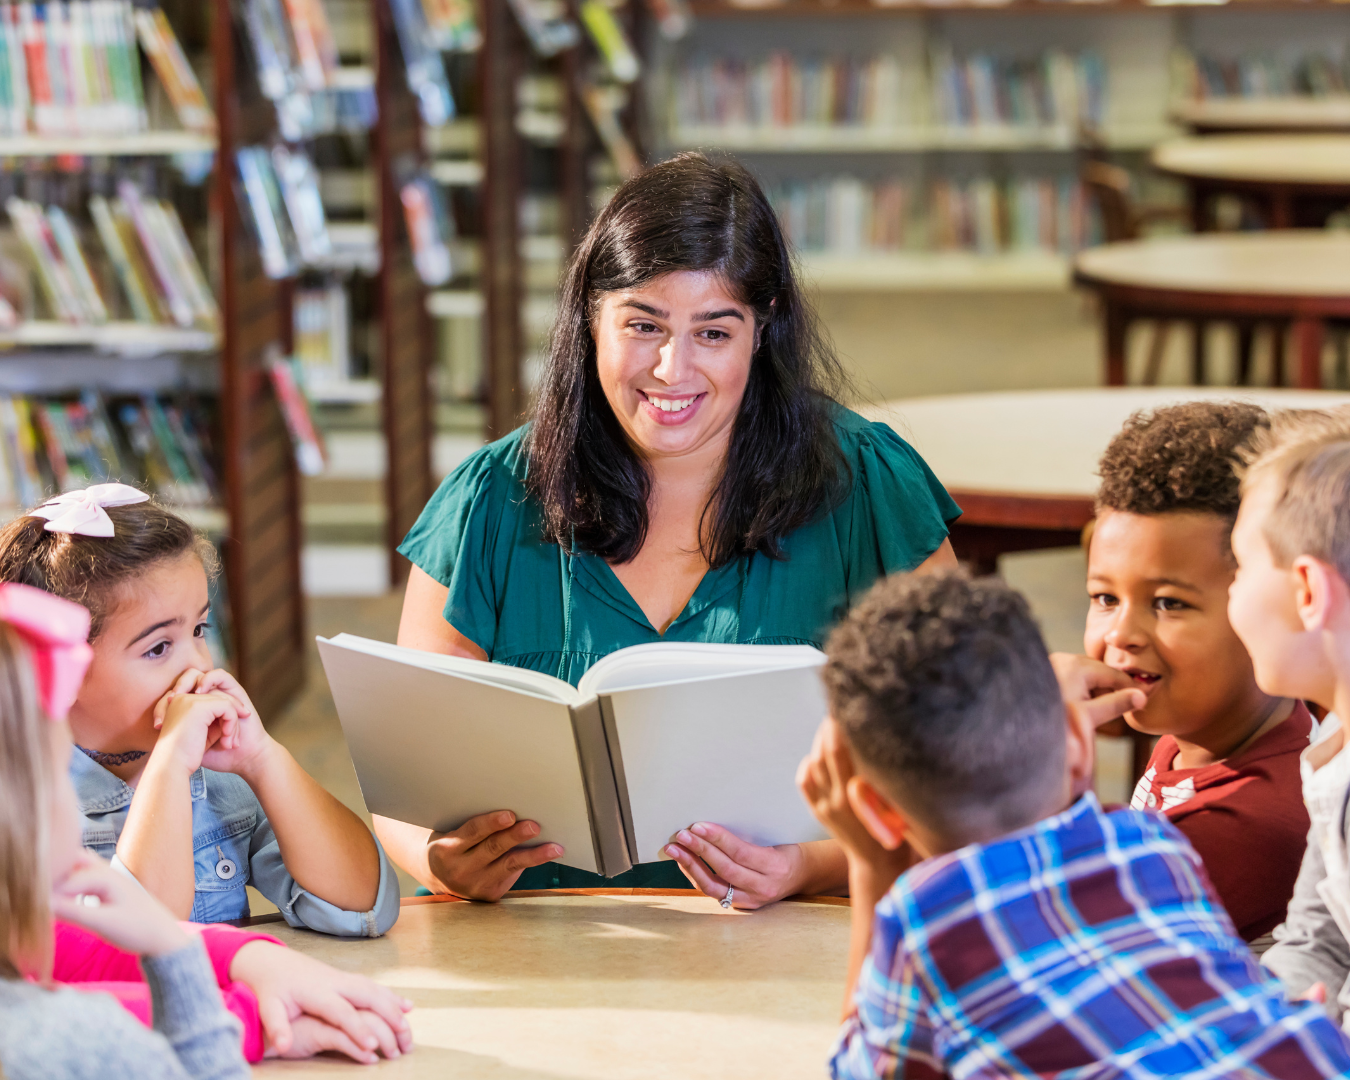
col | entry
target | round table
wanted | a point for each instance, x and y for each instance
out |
(1299, 179)
(1022, 464)
(1296, 277)
(622, 985)
(1265, 114)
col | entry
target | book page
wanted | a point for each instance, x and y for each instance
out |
(679, 661)
(435, 748)
(722, 749)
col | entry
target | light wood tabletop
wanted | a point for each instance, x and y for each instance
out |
(1305, 160)
(1270, 114)
(1294, 262)
(628, 986)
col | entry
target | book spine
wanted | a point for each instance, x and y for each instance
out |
(92, 308)
(310, 457)
(179, 307)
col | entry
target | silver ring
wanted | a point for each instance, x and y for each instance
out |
(726, 900)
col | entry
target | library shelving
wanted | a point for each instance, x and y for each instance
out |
(917, 141)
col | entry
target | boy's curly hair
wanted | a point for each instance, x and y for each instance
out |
(943, 688)
(1180, 457)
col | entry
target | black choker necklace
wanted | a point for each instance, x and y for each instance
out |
(112, 759)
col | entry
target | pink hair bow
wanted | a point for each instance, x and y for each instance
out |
(57, 633)
(81, 512)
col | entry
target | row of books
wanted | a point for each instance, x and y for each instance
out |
(321, 333)
(847, 215)
(53, 444)
(1261, 75)
(73, 68)
(281, 188)
(140, 239)
(783, 90)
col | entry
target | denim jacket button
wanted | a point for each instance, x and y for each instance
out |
(225, 869)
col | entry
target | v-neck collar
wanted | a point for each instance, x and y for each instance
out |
(597, 577)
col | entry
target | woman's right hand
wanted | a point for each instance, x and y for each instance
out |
(482, 858)
(126, 915)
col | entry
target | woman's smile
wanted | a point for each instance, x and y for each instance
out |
(664, 409)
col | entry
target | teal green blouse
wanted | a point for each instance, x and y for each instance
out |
(531, 605)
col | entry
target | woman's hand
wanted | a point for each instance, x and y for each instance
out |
(714, 860)
(482, 858)
(306, 1006)
(126, 915)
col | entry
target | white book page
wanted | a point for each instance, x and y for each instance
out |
(435, 748)
(661, 663)
(721, 749)
(529, 682)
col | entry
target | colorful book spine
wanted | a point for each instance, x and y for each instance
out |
(171, 287)
(310, 456)
(92, 307)
(610, 40)
(171, 65)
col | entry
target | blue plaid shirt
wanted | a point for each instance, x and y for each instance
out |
(1088, 945)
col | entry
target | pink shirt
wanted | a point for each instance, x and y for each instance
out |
(86, 962)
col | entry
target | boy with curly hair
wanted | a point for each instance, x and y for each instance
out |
(1225, 769)
(1039, 936)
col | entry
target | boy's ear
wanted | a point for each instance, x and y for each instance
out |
(1080, 752)
(879, 815)
(1320, 594)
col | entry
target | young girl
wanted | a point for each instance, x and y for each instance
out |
(176, 779)
(64, 1033)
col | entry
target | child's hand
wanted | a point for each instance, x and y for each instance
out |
(1096, 691)
(310, 1036)
(198, 727)
(362, 1016)
(126, 915)
(823, 778)
(248, 740)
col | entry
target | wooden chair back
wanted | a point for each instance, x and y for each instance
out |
(1110, 186)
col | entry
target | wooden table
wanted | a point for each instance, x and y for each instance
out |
(627, 985)
(1022, 464)
(1298, 179)
(1232, 115)
(1296, 277)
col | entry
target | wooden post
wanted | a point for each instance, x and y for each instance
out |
(1115, 325)
(407, 401)
(501, 269)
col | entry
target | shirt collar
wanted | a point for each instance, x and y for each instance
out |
(98, 791)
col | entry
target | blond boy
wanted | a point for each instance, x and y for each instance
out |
(1290, 605)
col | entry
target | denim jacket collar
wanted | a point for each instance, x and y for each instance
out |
(99, 791)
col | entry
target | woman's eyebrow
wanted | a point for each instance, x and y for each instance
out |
(647, 308)
(708, 316)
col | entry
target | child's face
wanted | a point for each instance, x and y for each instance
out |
(156, 631)
(1159, 590)
(1263, 611)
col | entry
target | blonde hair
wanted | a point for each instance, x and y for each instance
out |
(25, 815)
(1306, 455)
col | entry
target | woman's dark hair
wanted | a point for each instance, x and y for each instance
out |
(89, 569)
(783, 463)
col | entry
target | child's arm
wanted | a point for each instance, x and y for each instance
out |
(325, 847)
(823, 778)
(156, 842)
(1310, 947)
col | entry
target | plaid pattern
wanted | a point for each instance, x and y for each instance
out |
(1085, 946)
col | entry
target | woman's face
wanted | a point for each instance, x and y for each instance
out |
(673, 358)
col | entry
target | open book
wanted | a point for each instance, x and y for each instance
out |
(655, 738)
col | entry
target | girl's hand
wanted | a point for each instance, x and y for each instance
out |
(714, 860)
(291, 987)
(248, 740)
(196, 727)
(311, 1036)
(126, 915)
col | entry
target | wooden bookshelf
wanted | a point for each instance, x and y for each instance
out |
(405, 331)
(261, 484)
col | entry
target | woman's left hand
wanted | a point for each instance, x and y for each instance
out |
(715, 861)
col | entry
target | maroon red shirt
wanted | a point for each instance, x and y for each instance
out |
(1243, 815)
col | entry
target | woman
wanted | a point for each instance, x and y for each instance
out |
(687, 476)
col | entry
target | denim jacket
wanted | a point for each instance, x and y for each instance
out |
(233, 845)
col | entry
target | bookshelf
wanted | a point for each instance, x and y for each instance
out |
(936, 145)
(261, 483)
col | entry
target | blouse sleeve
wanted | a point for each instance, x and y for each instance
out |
(899, 511)
(453, 541)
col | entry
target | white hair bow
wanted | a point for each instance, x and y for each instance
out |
(81, 512)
